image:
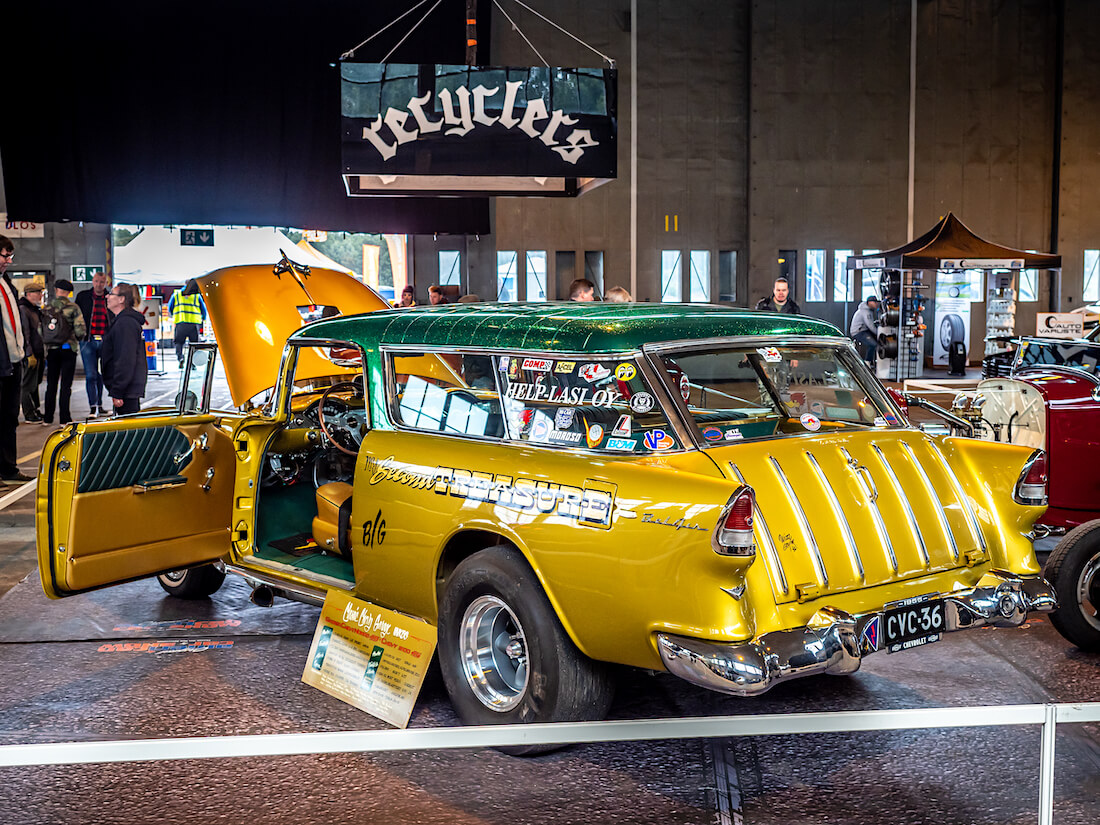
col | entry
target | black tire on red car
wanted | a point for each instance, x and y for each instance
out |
(193, 583)
(504, 655)
(1073, 569)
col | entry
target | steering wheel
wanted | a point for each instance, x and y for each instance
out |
(331, 429)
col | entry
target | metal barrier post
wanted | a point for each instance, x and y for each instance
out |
(1046, 765)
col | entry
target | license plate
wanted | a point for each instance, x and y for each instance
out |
(912, 623)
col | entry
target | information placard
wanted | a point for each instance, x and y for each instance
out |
(370, 657)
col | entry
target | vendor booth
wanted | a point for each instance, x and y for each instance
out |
(934, 273)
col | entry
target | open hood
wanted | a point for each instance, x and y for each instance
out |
(253, 310)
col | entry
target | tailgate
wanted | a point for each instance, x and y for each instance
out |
(843, 513)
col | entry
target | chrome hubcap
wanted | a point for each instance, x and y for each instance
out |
(174, 576)
(1088, 591)
(493, 650)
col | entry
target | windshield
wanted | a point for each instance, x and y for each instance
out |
(1073, 354)
(741, 393)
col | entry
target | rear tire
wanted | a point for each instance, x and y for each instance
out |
(1073, 569)
(193, 583)
(504, 655)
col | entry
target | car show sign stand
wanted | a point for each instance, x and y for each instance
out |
(370, 657)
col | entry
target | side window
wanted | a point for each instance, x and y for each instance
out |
(600, 405)
(445, 393)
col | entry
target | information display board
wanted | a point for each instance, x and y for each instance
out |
(370, 657)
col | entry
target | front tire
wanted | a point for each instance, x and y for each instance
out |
(1073, 569)
(504, 655)
(193, 583)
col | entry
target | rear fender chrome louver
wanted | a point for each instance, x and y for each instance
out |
(941, 514)
(909, 515)
(968, 510)
(842, 520)
(776, 569)
(803, 522)
(867, 485)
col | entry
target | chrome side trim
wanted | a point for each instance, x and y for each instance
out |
(804, 523)
(968, 511)
(846, 529)
(294, 592)
(765, 535)
(834, 641)
(866, 482)
(941, 514)
(913, 525)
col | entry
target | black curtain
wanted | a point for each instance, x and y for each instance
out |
(207, 112)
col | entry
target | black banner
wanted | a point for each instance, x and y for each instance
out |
(447, 128)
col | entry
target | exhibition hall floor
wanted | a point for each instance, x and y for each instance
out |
(234, 669)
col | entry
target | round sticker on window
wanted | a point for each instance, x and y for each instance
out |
(594, 435)
(685, 387)
(624, 372)
(641, 402)
(811, 422)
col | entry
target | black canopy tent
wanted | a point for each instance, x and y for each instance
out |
(950, 244)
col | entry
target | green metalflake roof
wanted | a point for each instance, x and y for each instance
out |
(568, 327)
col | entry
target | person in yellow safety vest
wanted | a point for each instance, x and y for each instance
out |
(188, 313)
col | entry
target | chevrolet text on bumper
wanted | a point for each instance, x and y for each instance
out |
(835, 642)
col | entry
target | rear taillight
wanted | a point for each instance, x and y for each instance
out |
(1032, 486)
(733, 536)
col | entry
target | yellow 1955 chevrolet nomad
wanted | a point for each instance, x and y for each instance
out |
(728, 496)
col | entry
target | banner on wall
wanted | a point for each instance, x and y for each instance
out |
(953, 297)
(422, 129)
(398, 249)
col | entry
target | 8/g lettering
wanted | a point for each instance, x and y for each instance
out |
(374, 531)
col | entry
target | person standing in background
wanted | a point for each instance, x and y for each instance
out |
(582, 289)
(62, 328)
(780, 300)
(34, 364)
(188, 313)
(93, 306)
(125, 369)
(618, 295)
(11, 366)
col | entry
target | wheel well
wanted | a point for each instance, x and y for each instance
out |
(460, 547)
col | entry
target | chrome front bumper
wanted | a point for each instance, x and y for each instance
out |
(835, 642)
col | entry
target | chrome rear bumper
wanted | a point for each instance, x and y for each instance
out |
(835, 642)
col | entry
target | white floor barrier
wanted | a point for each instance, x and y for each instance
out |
(138, 750)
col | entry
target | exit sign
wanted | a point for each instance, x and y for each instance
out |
(83, 274)
(196, 237)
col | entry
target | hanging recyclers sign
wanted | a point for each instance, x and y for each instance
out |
(428, 128)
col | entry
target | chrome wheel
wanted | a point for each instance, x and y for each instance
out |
(174, 576)
(1088, 591)
(493, 651)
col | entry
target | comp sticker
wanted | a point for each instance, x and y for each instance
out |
(641, 402)
(770, 354)
(811, 422)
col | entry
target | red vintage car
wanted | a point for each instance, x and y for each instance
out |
(1051, 401)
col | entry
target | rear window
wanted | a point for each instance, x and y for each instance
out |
(741, 393)
(599, 404)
